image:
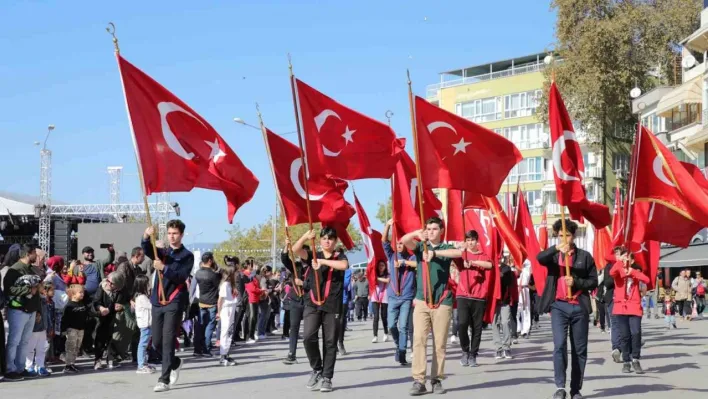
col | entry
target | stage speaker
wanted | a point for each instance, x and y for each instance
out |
(61, 240)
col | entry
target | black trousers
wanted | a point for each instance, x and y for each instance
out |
(602, 314)
(630, 330)
(296, 311)
(104, 338)
(165, 325)
(513, 321)
(362, 308)
(470, 312)
(380, 310)
(314, 320)
(3, 364)
(342, 322)
(252, 320)
(240, 312)
(286, 323)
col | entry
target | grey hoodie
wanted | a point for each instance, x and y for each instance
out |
(362, 288)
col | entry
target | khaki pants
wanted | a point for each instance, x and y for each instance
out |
(425, 319)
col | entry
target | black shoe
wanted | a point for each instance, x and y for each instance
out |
(290, 360)
(70, 369)
(576, 395)
(560, 394)
(197, 354)
(637, 367)
(418, 389)
(29, 375)
(326, 385)
(314, 380)
(347, 329)
(396, 356)
(341, 350)
(627, 367)
(473, 361)
(207, 354)
(499, 355)
(402, 358)
(507, 354)
(437, 387)
(13, 377)
(465, 359)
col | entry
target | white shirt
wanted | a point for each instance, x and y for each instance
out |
(143, 311)
(227, 293)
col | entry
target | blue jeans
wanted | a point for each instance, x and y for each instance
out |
(630, 332)
(398, 312)
(205, 327)
(142, 346)
(20, 326)
(263, 317)
(614, 328)
(567, 319)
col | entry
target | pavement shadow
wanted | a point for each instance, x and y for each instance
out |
(377, 383)
(668, 368)
(665, 356)
(639, 389)
(240, 379)
(504, 383)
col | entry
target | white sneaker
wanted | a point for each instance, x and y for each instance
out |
(385, 338)
(174, 374)
(161, 387)
(453, 339)
(251, 341)
(375, 340)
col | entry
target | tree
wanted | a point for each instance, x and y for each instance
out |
(607, 47)
(384, 212)
(256, 241)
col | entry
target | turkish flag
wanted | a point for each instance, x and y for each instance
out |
(342, 142)
(491, 244)
(506, 231)
(543, 232)
(406, 214)
(455, 226)
(457, 153)
(177, 149)
(568, 167)
(527, 235)
(372, 245)
(602, 247)
(659, 178)
(327, 203)
(617, 229)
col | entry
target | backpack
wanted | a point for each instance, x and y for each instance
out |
(701, 290)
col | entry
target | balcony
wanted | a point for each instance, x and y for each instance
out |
(432, 90)
(554, 209)
(593, 172)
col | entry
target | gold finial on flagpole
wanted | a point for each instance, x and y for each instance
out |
(111, 29)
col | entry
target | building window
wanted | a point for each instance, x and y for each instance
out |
(528, 170)
(684, 115)
(527, 136)
(483, 110)
(653, 122)
(531, 198)
(521, 104)
(620, 162)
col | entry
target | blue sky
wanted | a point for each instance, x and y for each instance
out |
(220, 57)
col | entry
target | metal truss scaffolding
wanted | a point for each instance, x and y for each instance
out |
(45, 198)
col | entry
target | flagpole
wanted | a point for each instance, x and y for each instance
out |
(279, 200)
(632, 179)
(421, 201)
(516, 208)
(111, 29)
(393, 240)
(464, 228)
(305, 169)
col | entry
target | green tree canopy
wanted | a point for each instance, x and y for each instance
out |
(384, 212)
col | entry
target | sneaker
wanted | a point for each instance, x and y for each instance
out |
(290, 360)
(144, 370)
(261, 337)
(251, 341)
(385, 338)
(453, 339)
(161, 387)
(97, 365)
(341, 349)
(473, 361)
(227, 362)
(70, 369)
(507, 354)
(375, 340)
(637, 367)
(113, 365)
(29, 375)
(437, 387)
(326, 385)
(174, 374)
(208, 354)
(617, 356)
(44, 372)
(418, 389)
(560, 394)
(13, 377)
(515, 341)
(627, 367)
(197, 354)
(314, 381)
(396, 356)
(402, 358)
(465, 359)
(576, 396)
(603, 331)
(499, 355)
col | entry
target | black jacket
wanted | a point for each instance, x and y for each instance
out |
(582, 269)
(609, 284)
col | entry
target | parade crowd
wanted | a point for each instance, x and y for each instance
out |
(121, 313)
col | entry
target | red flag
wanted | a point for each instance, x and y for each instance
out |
(342, 142)
(456, 153)
(372, 245)
(568, 167)
(543, 232)
(454, 226)
(491, 244)
(527, 235)
(177, 149)
(327, 203)
(659, 178)
(506, 231)
(602, 247)
(405, 198)
(617, 229)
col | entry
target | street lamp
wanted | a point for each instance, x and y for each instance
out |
(244, 123)
(49, 130)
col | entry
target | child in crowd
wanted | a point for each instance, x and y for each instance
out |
(226, 310)
(143, 316)
(43, 327)
(670, 309)
(105, 306)
(72, 325)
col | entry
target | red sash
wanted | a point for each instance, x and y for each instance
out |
(328, 285)
(426, 278)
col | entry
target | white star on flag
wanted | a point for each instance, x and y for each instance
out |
(460, 147)
(216, 152)
(348, 135)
